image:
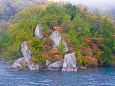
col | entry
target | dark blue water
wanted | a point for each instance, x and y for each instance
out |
(89, 77)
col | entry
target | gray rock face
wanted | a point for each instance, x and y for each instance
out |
(17, 69)
(56, 37)
(38, 33)
(55, 66)
(34, 66)
(17, 62)
(69, 64)
(48, 63)
(25, 51)
(26, 59)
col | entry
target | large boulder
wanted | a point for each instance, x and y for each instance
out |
(17, 63)
(38, 33)
(55, 66)
(56, 37)
(26, 52)
(19, 68)
(34, 66)
(69, 64)
(48, 63)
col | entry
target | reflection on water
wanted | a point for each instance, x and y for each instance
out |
(89, 77)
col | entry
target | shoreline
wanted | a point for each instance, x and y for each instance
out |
(9, 68)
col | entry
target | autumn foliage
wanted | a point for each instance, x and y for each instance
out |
(91, 61)
(85, 15)
(88, 35)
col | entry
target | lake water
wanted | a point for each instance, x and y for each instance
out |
(89, 77)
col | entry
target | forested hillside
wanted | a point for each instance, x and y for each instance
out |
(9, 8)
(89, 35)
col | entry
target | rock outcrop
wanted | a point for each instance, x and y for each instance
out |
(48, 63)
(26, 59)
(56, 37)
(38, 33)
(69, 64)
(17, 63)
(34, 66)
(55, 66)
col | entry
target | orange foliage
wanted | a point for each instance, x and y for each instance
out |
(81, 7)
(100, 45)
(87, 40)
(49, 42)
(94, 46)
(101, 39)
(91, 61)
(57, 28)
(47, 33)
(10, 25)
(85, 15)
(51, 2)
(54, 51)
(52, 54)
(33, 60)
(86, 51)
(58, 57)
(2, 50)
(103, 17)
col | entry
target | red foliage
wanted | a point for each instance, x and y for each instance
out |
(92, 61)
(49, 42)
(101, 39)
(94, 46)
(50, 53)
(58, 57)
(21, 62)
(86, 51)
(96, 38)
(57, 28)
(100, 45)
(47, 33)
(2, 50)
(87, 40)
(73, 48)
(85, 15)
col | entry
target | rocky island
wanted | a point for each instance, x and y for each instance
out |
(68, 64)
(47, 43)
(58, 36)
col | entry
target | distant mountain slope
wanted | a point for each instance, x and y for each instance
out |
(113, 11)
(10, 7)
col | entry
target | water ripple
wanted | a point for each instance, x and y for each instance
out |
(89, 77)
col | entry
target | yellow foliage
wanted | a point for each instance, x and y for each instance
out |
(51, 2)
(10, 25)
(33, 60)
(99, 53)
(103, 17)
(109, 20)
(43, 7)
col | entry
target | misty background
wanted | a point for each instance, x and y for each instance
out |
(102, 5)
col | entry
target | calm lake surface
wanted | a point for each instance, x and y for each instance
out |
(89, 77)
